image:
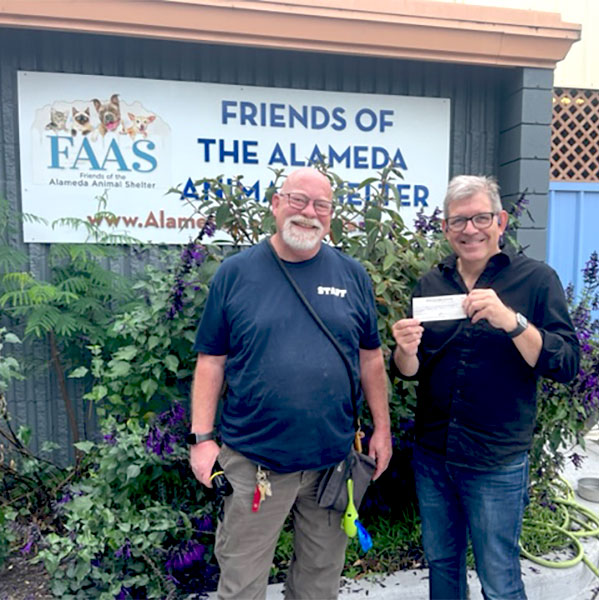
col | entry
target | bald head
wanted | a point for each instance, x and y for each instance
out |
(307, 176)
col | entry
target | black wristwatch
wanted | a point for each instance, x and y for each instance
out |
(196, 438)
(521, 325)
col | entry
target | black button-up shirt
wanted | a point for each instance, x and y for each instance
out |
(476, 393)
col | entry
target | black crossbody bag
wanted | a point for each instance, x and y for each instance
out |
(332, 489)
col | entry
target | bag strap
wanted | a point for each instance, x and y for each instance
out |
(324, 329)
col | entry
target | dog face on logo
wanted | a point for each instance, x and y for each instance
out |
(109, 114)
(139, 124)
(81, 122)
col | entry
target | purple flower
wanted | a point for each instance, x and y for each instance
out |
(66, 497)
(123, 594)
(26, 549)
(160, 442)
(193, 254)
(110, 438)
(576, 459)
(426, 225)
(204, 523)
(161, 438)
(173, 416)
(192, 257)
(185, 555)
(33, 536)
(519, 206)
(176, 300)
(124, 551)
(590, 273)
(548, 504)
(209, 227)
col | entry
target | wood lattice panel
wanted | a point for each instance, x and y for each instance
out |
(575, 135)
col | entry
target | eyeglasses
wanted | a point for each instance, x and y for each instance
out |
(299, 202)
(480, 221)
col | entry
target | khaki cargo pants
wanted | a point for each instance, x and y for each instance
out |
(246, 541)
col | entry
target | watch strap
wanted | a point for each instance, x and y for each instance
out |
(521, 325)
(193, 438)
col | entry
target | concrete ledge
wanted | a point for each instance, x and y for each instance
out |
(542, 583)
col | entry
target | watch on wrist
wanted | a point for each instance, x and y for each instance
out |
(196, 438)
(521, 325)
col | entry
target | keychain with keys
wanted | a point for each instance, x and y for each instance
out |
(262, 491)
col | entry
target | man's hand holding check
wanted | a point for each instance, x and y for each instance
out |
(485, 304)
(478, 304)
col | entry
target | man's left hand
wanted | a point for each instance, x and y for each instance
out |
(379, 448)
(485, 304)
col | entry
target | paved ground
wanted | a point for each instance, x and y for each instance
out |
(590, 468)
(576, 583)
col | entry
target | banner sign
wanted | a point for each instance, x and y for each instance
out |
(131, 140)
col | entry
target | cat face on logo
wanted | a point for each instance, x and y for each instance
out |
(58, 120)
(81, 122)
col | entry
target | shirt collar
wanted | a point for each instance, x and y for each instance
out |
(502, 259)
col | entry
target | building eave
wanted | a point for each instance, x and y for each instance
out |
(404, 29)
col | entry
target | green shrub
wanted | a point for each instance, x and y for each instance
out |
(27, 481)
(136, 523)
(133, 521)
(566, 411)
(69, 309)
(124, 494)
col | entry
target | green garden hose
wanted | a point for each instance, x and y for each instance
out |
(587, 527)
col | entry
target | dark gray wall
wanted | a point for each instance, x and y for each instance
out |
(524, 148)
(495, 128)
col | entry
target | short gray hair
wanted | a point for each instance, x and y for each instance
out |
(464, 186)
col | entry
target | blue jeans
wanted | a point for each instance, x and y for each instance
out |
(456, 500)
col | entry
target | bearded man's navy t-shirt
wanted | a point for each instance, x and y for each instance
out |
(288, 405)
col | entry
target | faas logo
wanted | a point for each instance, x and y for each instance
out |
(65, 153)
(99, 138)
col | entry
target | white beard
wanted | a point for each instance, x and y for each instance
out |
(299, 238)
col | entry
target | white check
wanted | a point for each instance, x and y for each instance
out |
(439, 308)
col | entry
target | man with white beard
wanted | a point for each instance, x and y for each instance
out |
(287, 414)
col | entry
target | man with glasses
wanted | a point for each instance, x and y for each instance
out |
(288, 411)
(477, 378)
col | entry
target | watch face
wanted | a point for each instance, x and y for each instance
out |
(522, 320)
